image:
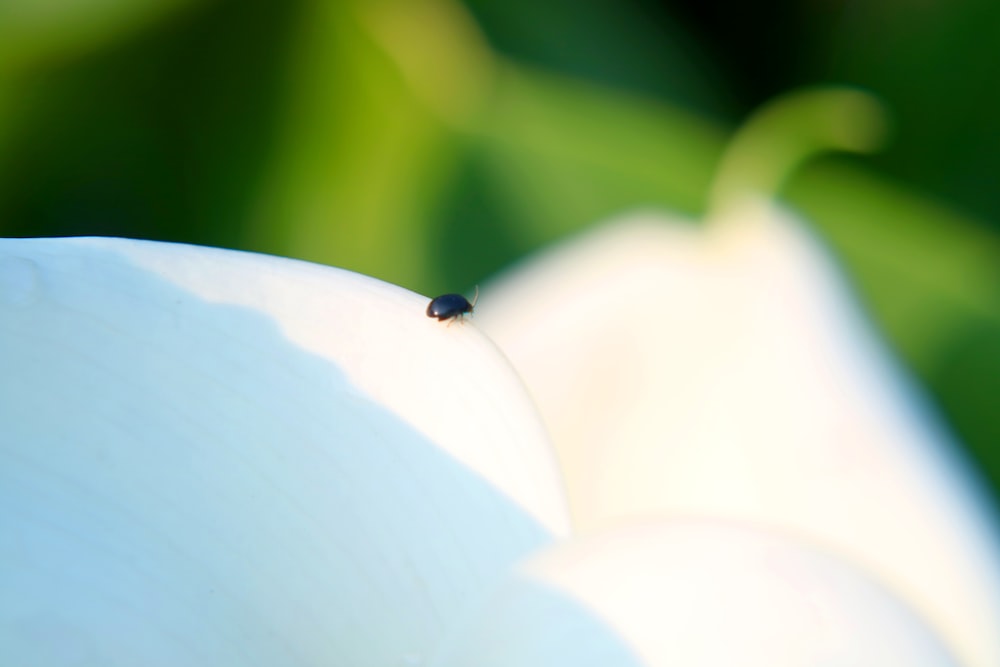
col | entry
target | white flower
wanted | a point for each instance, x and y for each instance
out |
(211, 458)
(697, 593)
(722, 372)
(215, 458)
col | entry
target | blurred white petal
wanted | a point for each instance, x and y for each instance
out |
(697, 594)
(210, 458)
(723, 371)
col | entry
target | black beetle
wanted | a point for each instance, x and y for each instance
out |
(451, 306)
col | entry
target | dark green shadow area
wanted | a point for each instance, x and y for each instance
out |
(475, 238)
(966, 383)
(164, 136)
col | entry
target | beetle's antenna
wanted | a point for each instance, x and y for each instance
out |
(474, 298)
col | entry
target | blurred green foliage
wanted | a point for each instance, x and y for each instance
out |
(431, 143)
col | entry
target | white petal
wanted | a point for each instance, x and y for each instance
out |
(210, 457)
(724, 371)
(697, 594)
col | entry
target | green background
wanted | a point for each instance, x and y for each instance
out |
(430, 142)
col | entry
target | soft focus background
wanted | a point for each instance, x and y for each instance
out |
(432, 142)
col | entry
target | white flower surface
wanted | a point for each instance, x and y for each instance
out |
(692, 592)
(216, 458)
(722, 371)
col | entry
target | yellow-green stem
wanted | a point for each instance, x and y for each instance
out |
(790, 130)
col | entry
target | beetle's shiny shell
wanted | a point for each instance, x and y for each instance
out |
(448, 306)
